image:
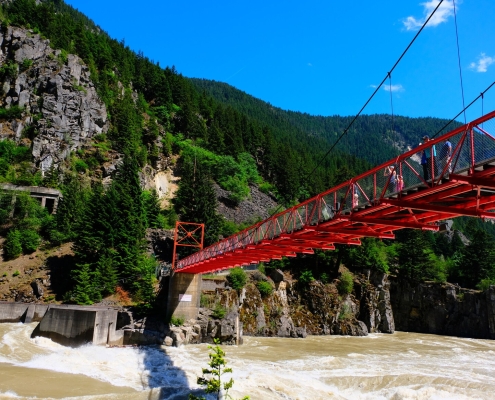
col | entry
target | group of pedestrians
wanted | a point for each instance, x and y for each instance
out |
(431, 164)
(429, 161)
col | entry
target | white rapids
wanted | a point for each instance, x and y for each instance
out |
(402, 366)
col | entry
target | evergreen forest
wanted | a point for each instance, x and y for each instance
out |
(215, 134)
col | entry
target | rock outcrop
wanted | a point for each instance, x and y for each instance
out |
(257, 206)
(60, 110)
(444, 309)
(316, 308)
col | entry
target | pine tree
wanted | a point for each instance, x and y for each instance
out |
(196, 199)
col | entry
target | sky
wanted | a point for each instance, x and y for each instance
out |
(321, 57)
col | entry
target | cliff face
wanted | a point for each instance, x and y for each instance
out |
(444, 309)
(295, 310)
(60, 110)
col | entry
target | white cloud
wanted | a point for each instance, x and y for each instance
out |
(310, 65)
(393, 88)
(443, 13)
(483, 63)
(373, 86)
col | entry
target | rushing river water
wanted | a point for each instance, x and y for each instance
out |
(379, 366)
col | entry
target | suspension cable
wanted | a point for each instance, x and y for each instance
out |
(376, 90)
(346, 130)
(391, 106)
(459, 61)
(464, 109)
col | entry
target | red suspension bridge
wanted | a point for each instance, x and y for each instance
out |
(373, 204)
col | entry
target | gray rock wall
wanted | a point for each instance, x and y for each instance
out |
(56, 93)
(443, 309)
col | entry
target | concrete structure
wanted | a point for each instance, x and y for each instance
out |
(210, 285)
(48, 197)
(69, 325)
(184, 295)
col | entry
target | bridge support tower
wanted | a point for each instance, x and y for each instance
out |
(184, 290)
(184, 294)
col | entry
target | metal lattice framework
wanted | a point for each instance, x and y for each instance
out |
(373, 204)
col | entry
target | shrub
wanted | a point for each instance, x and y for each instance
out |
(26, 64)
(177, 321)
(16, 273)
(30, 240)
(123, 295)
(219, 311)
(12, 247)
(485, 284)
(345, 313)
(206, 300)
(324, 278)
(261, 268)
(11, 113)
(80, 166)
(265, 288)
(212, 379)
(237, 278)
(346, 283)
(306, 277)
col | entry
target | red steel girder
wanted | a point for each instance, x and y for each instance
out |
(473, 180)
(441, 209)
(398, 223)
(358, 231)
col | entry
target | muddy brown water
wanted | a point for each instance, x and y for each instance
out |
(401, 366)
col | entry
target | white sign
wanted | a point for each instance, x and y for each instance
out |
(185, 297)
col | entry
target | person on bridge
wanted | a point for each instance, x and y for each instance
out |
(445, 158)
(392, 182)
(427, 159)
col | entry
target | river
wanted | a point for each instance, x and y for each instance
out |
(379, 366)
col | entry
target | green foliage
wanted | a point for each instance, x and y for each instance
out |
(207, 300)
(345, 313)
(8, 70)
(196, 201)
(30, 240)
(26, 64)
(80, 165)
(212, 376)
(265, 288)
(372, 254)
(485, 284)
(12, 248)
(324, 278)
(261, 268)
(237, 278)
(11, 113)
(16, 273)
(346, 283)
(306, 277)
(219, 311)
(177, 321)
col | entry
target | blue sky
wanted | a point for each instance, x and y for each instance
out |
(321, 57)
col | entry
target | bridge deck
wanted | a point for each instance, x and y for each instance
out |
(372, 205)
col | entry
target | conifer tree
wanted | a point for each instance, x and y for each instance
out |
(196, 199)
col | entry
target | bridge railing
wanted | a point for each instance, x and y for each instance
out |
(472, 144)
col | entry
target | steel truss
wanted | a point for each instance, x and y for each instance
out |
(373, 204)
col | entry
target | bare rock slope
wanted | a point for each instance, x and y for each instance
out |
(60, 109)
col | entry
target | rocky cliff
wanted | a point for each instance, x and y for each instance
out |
(443, 309)
(58, 109)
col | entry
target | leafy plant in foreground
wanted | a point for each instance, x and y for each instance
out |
(212, 377)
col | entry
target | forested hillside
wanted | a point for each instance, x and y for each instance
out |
(375, 138)
(207, 131)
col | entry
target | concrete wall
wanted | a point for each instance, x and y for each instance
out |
(69, 325)
(184, 306)
(212, 284)
(22, 312)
